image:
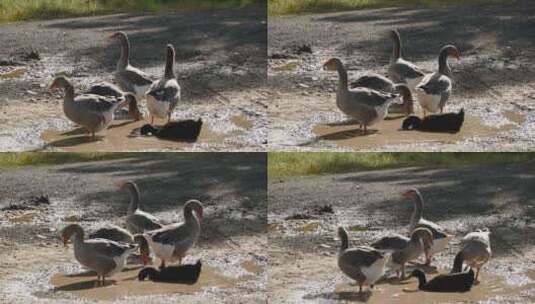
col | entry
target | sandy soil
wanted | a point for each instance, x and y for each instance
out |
(302, 264)
(37, 269)
(494, 76)
(221, 67)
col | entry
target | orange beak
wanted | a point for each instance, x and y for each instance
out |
(111, 36)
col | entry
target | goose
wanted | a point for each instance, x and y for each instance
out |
(137, 220)
(185, 274)
(401, 70)
(435, 88)
(93, 112)
(453, 282)
(363, 264)
(171, 242)
(164, 94)
(109, 89)
(444, 123)
(440, 237)
(129, 78)
(103, 256)
(118, 234)
(185, 130)
(475, 252)
(367, 106)
(420, 242)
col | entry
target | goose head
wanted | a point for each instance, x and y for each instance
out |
(144, 249)
(69, 231)
(332, 64)
(408, 101)
(133, 108)
(423, 235)
(412, 193)
(194, 206)
(59, 83)
(121, 36)
(451, 50)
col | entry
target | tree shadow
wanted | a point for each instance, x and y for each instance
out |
(223, 49)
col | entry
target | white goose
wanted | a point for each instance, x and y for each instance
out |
(172, 242)
(103, 256)
(362, 264)
(435, 88)
(164, 94)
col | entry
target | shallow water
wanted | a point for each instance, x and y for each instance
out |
(119, 137)
(394, 291)
(388, 132)
(126, 284)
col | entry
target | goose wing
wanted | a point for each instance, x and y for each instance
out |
(136, 77)
(361, 256)
(108, 248)
(371, 98)
(438, 232)
(437, 84)
(391, 242)
(375, 82)
(96, 103)
(144, 221)
(403, 69)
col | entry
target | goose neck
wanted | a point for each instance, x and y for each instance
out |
(396, 50)
(124, 60)
(443, 66)
(134, 198)
(417, 213)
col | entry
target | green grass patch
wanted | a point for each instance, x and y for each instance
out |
(291, 7)
(23, 10)
(284, 164)
(11, 160)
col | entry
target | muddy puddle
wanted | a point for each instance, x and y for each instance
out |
(122, 136)
(388, 132)
(126, 283)
(395, 291)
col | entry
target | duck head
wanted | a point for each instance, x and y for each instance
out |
(411, 123)
(148, 130)
(147, 272)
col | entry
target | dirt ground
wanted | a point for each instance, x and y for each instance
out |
(35, 268)
(221, 66)
(494, 78)
(304, 213)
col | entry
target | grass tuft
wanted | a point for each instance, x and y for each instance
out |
(284, 164)
(24, 10)
(292, 7)
(12, 160)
